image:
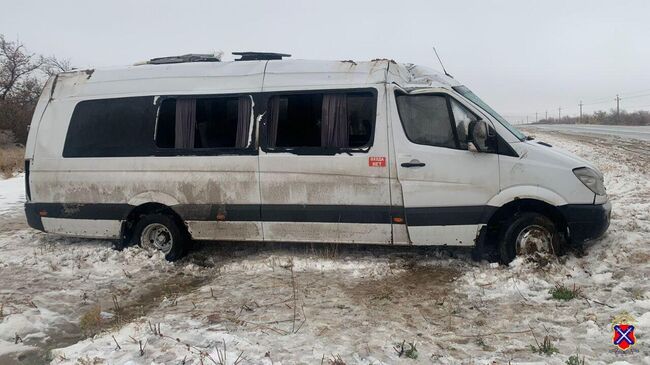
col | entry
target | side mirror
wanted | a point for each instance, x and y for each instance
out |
(477, 133)
(481, 137)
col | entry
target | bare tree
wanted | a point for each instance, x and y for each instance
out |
(52, 65)
(22, 75)
(15, 64)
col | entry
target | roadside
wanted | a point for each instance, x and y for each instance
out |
(11, 160)
(604, 131)
(12, 155)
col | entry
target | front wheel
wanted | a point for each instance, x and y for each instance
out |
(158, 232)
(527, 234)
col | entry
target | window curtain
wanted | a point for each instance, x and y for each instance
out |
(272, 121)
(334, 128)
(243, 121)
(185, 123)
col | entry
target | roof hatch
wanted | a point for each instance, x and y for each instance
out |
(190, 57)
(259, 56)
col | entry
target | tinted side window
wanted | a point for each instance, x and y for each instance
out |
(426, 120)
(111, 128)
(336, 120)
(195, 123)
(361, 115)
(299, 120)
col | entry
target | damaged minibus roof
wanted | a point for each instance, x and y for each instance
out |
(238, 76)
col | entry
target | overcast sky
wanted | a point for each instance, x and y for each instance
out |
(520, 56)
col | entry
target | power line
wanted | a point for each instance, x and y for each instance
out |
(582, 105)
(636, 96)
(624, 95)
(635, 92)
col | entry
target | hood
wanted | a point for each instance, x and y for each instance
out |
(540, 150)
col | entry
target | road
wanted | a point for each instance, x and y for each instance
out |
(633, 132)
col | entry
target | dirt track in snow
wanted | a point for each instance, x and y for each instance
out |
(304, 304)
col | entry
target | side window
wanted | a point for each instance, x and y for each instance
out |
(119, 127)
(426, 120)
(296, 120)
(336, 120)
(205, 122)
(361, 116)
(463, 119)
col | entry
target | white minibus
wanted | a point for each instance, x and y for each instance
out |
(268, 148)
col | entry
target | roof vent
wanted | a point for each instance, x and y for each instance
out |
(190, 57)
(259, 56)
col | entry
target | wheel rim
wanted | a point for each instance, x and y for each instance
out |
(533, 239)
(158, 237)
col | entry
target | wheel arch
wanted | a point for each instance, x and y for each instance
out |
(522, 205)
(148, 197)
(145, 209)
(531, 192)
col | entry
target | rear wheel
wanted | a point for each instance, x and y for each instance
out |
(158, 232)
(527, 234)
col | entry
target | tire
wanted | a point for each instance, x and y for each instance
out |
(173, 240)
(527, 233)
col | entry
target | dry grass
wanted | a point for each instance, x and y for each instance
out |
(91, 321)
(11, 160)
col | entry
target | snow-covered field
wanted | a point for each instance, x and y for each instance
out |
(621, 131)
(12, 194)
(69, 301)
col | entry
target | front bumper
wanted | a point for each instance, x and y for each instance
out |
(586, 221)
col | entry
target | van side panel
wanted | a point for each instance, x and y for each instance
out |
(92, 196)
(193, 181)
(91, 228)
(320, 197)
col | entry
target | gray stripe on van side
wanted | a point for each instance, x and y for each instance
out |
(369, 214)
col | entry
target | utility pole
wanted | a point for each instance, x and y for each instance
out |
(580, 120)
(618, 110)
(546, 115)
(526, 119)
(535, 117)
(559, 114)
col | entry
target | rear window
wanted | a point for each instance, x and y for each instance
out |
(111, 128)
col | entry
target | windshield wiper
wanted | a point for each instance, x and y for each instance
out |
(530, 138)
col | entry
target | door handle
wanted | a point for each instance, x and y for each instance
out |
(413, 163)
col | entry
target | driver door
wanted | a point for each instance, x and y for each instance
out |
(444, 185)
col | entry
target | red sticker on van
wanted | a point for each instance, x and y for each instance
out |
(377, 161)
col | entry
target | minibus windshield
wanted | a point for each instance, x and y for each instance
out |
(464, 91)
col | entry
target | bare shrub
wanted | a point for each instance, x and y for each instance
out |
(11, 160)
(91, 321)
(335, 360)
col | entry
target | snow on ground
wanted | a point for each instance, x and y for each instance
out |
(287, 304)
(12, 193)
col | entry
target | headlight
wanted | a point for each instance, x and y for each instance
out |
(592, 179)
